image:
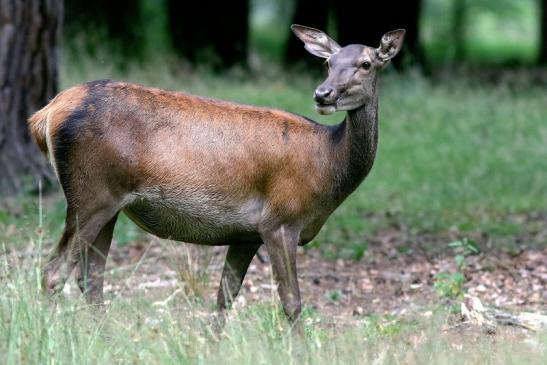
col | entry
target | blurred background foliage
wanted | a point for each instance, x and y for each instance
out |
(223, 34)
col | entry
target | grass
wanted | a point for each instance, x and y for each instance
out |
(138, 329)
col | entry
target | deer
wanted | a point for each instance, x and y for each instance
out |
(207, 171)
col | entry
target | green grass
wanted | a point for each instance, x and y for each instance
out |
(136, 329)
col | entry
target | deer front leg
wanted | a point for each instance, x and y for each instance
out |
(237, 262)
(281, 244)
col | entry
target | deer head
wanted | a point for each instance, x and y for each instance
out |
(352, 69)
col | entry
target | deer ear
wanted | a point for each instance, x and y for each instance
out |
(315, 41)
(390, 44)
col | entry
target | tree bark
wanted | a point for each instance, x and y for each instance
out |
(543, 35)
(210, 32)
(28, 80)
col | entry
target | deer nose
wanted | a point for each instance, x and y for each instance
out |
(324, 94)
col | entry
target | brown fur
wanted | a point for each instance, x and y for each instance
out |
(190, 140)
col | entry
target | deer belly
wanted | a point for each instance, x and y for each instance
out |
(200, 221)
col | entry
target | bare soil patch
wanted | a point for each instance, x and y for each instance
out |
(395, 276)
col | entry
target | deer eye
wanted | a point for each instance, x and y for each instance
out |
(365, 65)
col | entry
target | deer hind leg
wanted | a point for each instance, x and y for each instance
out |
(53, 270)
(90, 274)
(81, 230)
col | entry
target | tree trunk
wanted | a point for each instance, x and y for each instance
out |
(210, 32)
(543, 36)
(28, 80)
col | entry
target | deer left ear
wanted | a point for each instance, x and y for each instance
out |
(315, 41)
(390, 44)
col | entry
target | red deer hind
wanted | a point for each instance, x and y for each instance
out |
(207, 171)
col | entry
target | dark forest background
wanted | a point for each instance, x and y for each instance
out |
(223, 34)
(246, 35)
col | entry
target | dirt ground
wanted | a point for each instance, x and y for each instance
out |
(395, 276)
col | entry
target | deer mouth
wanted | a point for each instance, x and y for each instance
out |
(325, 109)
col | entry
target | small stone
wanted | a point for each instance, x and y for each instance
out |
(481, 288)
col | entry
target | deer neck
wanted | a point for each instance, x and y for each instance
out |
(356, 140)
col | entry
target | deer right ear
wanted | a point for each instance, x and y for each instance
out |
(315, 41)
(390, 45)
